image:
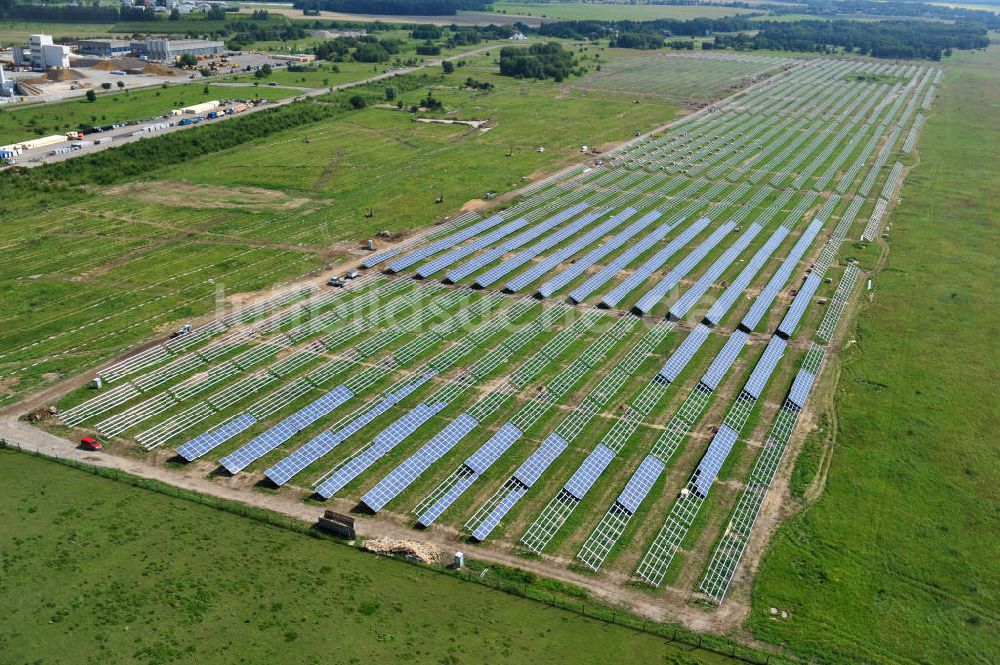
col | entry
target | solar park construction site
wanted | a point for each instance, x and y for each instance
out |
(604, 377)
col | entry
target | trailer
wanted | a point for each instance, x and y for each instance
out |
(45, 141)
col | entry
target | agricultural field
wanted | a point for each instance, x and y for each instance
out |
(598, 377)
(682, 78)
(617, 12)
(137, 261)
(16, 32)
(18, 124)
(119, 551)
(893, 551)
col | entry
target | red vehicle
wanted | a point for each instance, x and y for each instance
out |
(90, 443)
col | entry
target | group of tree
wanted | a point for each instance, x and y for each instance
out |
(393, 7)
(538, 61)
(366, 48)
(481, 86)
(65, 13)
(893, 9)
(880, 39)
(637, 40)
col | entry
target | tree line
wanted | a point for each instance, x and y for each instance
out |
(393, 7)
(882, 39)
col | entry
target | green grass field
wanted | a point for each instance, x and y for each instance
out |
(897, 561)
(16, 32)
(150, 258)
(616, 12)
(146, 578)
(18, 124)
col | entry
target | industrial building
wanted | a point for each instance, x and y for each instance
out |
(41, 54)
(169, 50)
(105, 48)
(7, 87)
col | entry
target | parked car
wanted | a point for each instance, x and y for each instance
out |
(351, 274)
(334, 281)
(90, 443)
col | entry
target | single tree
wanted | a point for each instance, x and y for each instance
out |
(106, 85)
(448, 66)
(357, 102)
(390, 93)
(121, 84)
(91, 96)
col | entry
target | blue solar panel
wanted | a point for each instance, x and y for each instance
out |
(376, 259)
(322, 444)
(412, 467)
(490, 452)
(766, 297)
(687, 264)
(718, 450)
(596, 254)
(588, 473)
(531, 470)
(525, 255)
(765, 367)
(384, 442)
(682, 355)
(264, 443)
(460, 252)
(445, 243)
(800, 388)
(640, 483)
(724, 360)
(619, 263)
(483, 531)
(642, 273)
(799, 304)
(520, 239)
(699, 288)
(578, 245)
(203, 443)
(449, 498)
(739, 285)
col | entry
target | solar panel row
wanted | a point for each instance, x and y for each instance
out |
(264, 443)
(326, 441)
(491, 255)
(762, 304)
(383, 443)
(679, 359)
(203, 443)
(587, 474)
(724, 359)
(410, 469)
(578, 245)
(715, 456)
(700, 287)
(798, 307)
(680, 271)
(606, 273)
(765, 367)
(640, 483)
(596, 254)
(512, 263)
(642, 273)
(445, 243)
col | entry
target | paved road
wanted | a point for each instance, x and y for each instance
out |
(133, 133)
